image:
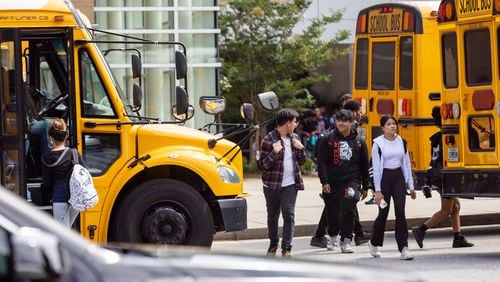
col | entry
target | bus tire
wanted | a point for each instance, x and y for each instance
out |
(164, 211)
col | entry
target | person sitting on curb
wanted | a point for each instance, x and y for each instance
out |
(450, 206)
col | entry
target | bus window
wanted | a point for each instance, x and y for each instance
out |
(481, 133)
(450, 64)
(383, 65)
(478, 57)
(362, 64)
(406, 63)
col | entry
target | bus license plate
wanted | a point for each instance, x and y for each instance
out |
(453, 154)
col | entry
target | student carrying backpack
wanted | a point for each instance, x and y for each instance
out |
(57, 169)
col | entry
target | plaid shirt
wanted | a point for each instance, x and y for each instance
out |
(272, 162)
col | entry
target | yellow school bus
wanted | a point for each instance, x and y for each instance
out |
(157, 181)
(469, 38)
(396, 69)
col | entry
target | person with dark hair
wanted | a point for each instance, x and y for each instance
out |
(281, 154)
(391, 175)
(342, 169)
(345, 98)
(360, 237)
(450, 206)
(56, 165)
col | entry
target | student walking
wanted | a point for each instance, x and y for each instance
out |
(450, 206)
(391, 176)
(281, 154)
(56, 165)
(342, 168)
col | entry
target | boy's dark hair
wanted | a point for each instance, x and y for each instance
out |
(384, 119)
(352, 106)
(345, 115)
(436, 115)
(285, 115)
(346, 96)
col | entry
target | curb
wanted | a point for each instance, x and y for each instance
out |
(310, 229)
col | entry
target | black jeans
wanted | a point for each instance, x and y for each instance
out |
(281, 200)
(393, 186)
(324, 229)
(341, 212)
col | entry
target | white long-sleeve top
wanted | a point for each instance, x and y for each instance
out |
(402, 161)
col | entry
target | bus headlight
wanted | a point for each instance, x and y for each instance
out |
(228, 175)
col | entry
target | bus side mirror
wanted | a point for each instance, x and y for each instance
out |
(212, 105)
(181, 101)
(137, 97)
(136, 66)
(246, 112)
(180, 65)
(268, 100)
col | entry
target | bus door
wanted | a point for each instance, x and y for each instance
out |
(406, 95)
(12, 133)
(383, 72)
(478, 94)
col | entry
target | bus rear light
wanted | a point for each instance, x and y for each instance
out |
(444, 111)
(361, 24)
(362, 102)
(385, 107)
(446, 11)
(385, 10)
(59, 18)
(497, 7)
(408, 22)
(455, 109)
(483, 100)
(449, 140)
(404, 107)
(449, 108)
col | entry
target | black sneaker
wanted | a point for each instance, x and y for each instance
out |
(419, 236)
(319, 242)
(271, 251)
(461, 243)
(362, 238)
(371, 201)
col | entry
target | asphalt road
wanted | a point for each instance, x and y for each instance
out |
(437, 261)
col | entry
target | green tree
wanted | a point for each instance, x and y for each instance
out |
(261, 53)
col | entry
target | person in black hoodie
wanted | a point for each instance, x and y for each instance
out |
(56, 165)
(342, 168)
(450, 206)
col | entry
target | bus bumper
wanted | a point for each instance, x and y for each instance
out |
(470, 183)
(234, 214)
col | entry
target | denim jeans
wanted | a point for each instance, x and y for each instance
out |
(281, 200)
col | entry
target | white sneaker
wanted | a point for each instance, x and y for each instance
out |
(374, 251)
(335, 241)
(345, 246)
(405, 254)
(330, 243)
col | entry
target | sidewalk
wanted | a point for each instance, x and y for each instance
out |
(481, 211)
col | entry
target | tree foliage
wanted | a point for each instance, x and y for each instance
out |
(261, 53)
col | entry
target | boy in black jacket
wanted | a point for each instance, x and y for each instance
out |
(342, 167)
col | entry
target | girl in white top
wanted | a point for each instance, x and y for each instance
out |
(391, 176)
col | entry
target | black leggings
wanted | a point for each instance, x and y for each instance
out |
(393, 186)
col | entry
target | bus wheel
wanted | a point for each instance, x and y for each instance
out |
(164, 211)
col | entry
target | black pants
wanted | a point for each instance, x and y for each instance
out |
(393, 186)
(281, 200)
(324, 229)
(340, 211)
